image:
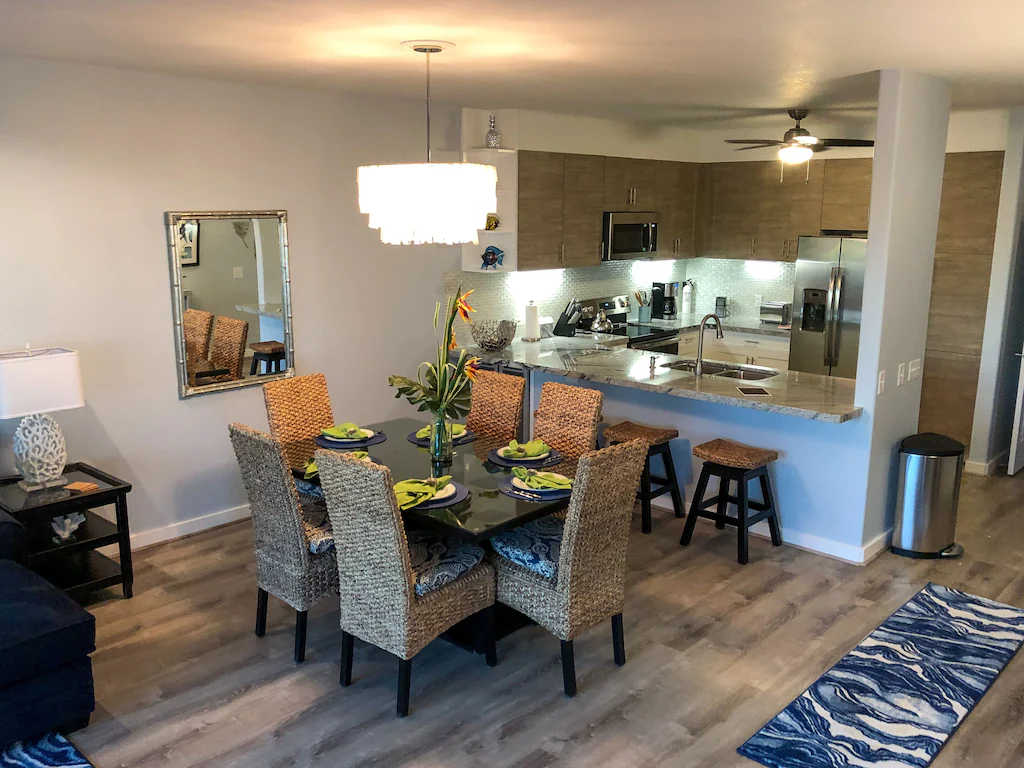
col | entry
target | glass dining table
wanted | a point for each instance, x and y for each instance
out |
(486, 511)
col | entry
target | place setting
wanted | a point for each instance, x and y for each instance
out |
(347, 437)
(535, 454)
(535, 485)
(460, 435)
(429, 493)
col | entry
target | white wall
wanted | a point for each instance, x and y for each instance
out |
(91, 158)
(214, 287)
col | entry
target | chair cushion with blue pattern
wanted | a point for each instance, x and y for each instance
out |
(438, 560)
(306, 488)
(534, 546)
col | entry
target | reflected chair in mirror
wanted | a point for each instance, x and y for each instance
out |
(398, 592)
(197, 327)
(570, 575)
(227, 347)
(295, 560)
(268, 354)
(297, 410)
(567, 418)
(496, 408)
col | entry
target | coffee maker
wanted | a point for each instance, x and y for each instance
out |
(663, 300)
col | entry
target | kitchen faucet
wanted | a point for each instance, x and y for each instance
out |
(698, 368)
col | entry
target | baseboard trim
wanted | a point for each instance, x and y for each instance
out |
(989, 467)
(185, 527)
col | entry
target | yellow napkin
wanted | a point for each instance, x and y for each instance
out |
(412, 492)
(457, 431)
(542, 480)
(346, 431)
(517, 450)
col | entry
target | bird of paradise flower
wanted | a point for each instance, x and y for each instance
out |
(441, 387)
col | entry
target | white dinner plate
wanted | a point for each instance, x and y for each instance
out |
(444, 493)
(521, 485)
(503, 452)
(367, 434)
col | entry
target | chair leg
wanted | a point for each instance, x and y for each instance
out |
(254, 366)
(769, 500)
(485, 642)
(347, 643)
(261, 612)
(404, 681)
(743, 509)
(645, 496)
(300, 636)
(698, 499)
(723, 504)
(568, 669)
(618, 640)
(670, 473)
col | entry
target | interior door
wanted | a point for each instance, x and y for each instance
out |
(1017, 438)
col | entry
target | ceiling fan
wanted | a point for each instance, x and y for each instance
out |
(798, 145)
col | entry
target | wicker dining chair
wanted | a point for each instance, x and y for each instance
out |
(197, 326)
(496, 408)
(385, 600)
(227, 346)
(297, 410)
(570, 576)
(286, 566)
(567, 418)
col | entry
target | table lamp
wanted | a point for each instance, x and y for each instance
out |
(34, 383)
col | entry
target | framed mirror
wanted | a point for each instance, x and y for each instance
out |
(230, 298)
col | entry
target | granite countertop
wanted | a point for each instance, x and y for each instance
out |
(263, 310)
(738, 324)
(605, 359)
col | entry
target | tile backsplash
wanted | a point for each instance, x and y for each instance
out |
(503, 295)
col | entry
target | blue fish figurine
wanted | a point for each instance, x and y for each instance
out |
(492, 257)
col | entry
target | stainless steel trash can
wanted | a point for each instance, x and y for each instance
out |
(927, 495)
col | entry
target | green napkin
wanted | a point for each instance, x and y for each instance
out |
(312, 470)
(412, 492)
(542, 480)
(518, 450)
(457, 431)
(346, 431)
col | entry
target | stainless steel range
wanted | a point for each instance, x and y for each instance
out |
(641, 336)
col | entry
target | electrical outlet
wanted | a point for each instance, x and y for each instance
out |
(901, 375)
(914, 370)
(881, 382)
(757, 301)
(238, 273)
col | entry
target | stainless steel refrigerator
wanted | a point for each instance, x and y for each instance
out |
(827, 300)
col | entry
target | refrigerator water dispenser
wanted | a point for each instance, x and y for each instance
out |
(813, 316)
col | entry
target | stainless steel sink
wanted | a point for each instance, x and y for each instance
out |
(724, 370)
(709, 368)
(746, 375)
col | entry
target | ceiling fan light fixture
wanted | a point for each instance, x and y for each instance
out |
(792, 154)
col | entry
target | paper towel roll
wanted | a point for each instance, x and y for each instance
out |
(532, 329)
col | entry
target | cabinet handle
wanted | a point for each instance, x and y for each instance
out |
(561, 253)
(751, 247)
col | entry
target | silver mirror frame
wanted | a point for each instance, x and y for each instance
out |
(172, 219)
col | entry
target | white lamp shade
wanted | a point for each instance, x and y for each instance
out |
(40, 381)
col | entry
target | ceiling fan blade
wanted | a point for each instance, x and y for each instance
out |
(757, 146)
(763, 142)
(847, 142)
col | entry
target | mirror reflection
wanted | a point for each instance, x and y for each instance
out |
(229, 274)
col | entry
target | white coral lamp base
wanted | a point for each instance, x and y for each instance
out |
(39, 452)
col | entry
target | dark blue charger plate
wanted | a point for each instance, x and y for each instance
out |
(461, 494)
(506, 487)
(349, 445)
(550, 461)
(424, 442)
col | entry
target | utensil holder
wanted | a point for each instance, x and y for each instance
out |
(645, 314)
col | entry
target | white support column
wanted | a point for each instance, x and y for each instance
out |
(910, 152)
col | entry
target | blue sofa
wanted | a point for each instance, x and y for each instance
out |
(45, 641)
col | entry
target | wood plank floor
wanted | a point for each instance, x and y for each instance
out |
(714, 650)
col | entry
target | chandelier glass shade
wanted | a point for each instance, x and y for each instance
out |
(420, 203)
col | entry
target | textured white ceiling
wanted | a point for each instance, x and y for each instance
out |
(670, 61)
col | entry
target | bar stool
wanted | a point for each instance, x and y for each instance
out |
(269, 352)
(730, 462)
(658, 440)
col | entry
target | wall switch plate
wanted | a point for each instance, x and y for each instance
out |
(901, 375)
(758, 298)
(238, 273)
(881, 382)
(914, 370)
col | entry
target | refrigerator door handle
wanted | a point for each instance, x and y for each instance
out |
(830, 315)
(834, 352)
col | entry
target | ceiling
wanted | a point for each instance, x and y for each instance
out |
(658, 61)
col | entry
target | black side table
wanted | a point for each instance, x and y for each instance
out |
(75, 566)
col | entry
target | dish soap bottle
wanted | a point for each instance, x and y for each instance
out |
(493, 138)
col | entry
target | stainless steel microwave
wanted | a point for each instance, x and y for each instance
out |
(629, 235)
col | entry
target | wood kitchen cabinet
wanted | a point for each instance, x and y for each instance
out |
(582, 210)
(790, 208)
(675, 194)
(846, 194)
(629, 184)
(734, 209)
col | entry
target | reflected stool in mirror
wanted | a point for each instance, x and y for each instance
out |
(270, 353)
(732, 462)
(658, 439)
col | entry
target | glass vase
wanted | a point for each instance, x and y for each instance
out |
(441, 441)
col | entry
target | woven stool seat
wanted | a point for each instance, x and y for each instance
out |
(625, 431)
(730, 454)
(267, 347)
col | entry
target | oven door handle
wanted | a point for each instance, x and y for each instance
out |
(656, 343)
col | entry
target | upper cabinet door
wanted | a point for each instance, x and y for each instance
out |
(541, 180)
(674, 196)
(970, 202)
(791, 208)
(846, 194)
(629, 184)
(582, 210)
(737, 191)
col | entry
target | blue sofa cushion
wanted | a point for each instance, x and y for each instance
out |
(56, 698)
(534, 546)
(40, 627)
(438, 560)
(13, 539)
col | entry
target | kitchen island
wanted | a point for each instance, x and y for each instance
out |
(811, 420)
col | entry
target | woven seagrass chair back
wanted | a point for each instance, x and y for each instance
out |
(567, 418)
(297, 409)
(497, 405)
(197, 326)
(273, 500)
(227, 348)
(593, 555)
(375, 577)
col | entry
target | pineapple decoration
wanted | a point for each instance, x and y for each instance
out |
(493, 138)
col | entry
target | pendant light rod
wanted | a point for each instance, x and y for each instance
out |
(428, 106)
(427, 47)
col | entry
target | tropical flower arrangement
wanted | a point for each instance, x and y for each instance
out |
(441, 387)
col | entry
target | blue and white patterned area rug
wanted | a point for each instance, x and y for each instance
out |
(52, 750)
(896, 698)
